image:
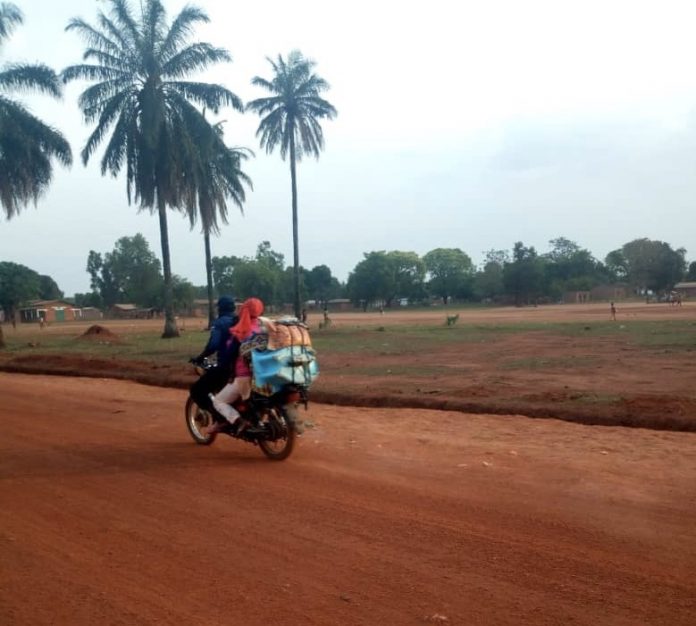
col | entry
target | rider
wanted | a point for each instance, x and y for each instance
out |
(215, 378)
(240, 387)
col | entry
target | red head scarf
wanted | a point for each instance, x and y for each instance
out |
(250, 310)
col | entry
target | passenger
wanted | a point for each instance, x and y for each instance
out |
(247, 326)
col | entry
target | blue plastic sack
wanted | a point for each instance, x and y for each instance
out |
(276, 368)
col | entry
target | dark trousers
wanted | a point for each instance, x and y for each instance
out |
(210, 382)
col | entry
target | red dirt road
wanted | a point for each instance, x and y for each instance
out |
(111, 515)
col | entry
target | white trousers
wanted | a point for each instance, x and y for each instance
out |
(240, 387)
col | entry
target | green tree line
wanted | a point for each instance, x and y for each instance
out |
(131, 273)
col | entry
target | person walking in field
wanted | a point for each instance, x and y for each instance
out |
(612, 309)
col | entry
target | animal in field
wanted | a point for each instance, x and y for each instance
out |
(452, 319)
(326, 323)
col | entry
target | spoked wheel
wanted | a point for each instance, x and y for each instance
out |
(280, 422)
(197, 420)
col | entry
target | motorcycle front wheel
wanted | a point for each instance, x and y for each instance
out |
(283, 422)
(197, 420)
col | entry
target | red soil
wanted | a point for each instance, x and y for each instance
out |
(111, 515)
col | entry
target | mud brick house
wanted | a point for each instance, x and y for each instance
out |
(49, 311)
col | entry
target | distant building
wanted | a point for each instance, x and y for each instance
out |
(339, 304)
(131, 312)
(686, 289)
(49, 311)
(199, 308)
(609, 293)
(576, 297)
(91, 313)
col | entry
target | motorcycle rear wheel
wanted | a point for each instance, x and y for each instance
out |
(281, 448)
(196, 421)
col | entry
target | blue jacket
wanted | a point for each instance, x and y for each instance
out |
(219, 338)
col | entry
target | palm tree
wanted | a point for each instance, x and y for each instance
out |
(289, 119)
(216, 178)
(27, 145)
(138, 64)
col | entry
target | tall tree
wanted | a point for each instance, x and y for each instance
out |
(129, 273)
(569, 267)
(261, 276)
(372, 279)
(18, 285)
(27, 145)
(290, 120)
(691, 273)
(651, 264)
(48, 289)
(217, 178)
(320, 283)
(523, 276)
(450, 271)
(137, 64)
(488, 282)
(223, 273)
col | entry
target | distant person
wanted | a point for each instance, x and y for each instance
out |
(381, 310)
(612, 309)
(303, 316)
(215, 378)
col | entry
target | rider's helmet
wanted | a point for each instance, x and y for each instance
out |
(225, 305)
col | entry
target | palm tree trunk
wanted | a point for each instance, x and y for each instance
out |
(295, 237)
(170, 329)
(209, 279)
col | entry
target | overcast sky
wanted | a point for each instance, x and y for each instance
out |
(460, 124)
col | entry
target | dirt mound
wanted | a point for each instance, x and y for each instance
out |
(99, 334)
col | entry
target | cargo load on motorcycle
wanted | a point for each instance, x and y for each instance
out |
(281, 354)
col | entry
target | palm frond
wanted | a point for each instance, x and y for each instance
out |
(124, 25)
(27, 146)
(116, 149)
(35, 77)
(208, 95)
(258, 81)
(89, 72)
(196, 57)
(180, 30)
(93, 37)
(109, 111)
(95, 99)
(108, 60)
(264, 105)
(10, 16)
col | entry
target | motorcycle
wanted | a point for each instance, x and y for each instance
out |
(275, 419)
